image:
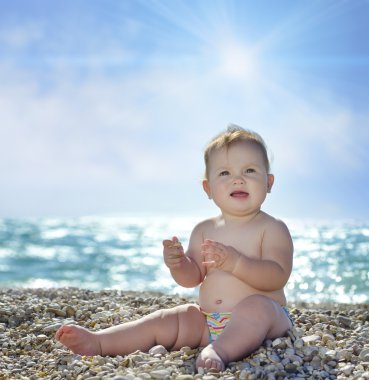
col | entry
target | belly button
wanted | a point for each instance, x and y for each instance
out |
(218, 302)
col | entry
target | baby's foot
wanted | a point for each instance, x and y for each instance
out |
(79, 340)
(208, 358)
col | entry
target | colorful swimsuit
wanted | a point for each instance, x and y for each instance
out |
(218, 321)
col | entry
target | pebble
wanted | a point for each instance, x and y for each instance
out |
(311, 339)
(53, 327)
(160, 374)
(344, 321)
(326, 342)
(158, 350)
(364, 355)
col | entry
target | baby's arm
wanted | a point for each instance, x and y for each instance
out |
(270, 272)
(184, 267)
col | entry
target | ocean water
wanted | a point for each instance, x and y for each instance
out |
(331, 262)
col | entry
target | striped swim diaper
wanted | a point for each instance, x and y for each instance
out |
(216, 323)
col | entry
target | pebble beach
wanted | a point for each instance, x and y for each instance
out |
(328, 341)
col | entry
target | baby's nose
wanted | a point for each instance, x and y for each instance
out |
(238, 180)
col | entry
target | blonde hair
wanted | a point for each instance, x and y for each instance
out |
(231, 135)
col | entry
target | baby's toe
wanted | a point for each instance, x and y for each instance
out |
(60, 332)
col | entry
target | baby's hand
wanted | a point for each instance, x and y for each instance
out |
(173, 253)
(218, 255)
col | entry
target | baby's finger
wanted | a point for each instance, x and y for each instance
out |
(177, 245)
(207, 243)
(206, 256)
(167, 243)
(176, 255)
(209, 264)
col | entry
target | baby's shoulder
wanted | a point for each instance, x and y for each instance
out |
(200, 231)
(205, 225)
(270, 223)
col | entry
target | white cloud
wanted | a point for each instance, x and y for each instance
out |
(147, 124)
(138, 122)
(19, 37)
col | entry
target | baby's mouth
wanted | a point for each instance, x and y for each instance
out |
(239, 194)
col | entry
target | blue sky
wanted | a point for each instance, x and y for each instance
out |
(106, 106)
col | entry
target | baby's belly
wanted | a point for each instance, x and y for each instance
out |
(221, 292)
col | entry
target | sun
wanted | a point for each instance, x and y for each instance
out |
(237, 61)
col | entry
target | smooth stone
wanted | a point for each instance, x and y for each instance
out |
(330, 354)
(160, 374)
(347, 369)
(274, 358)
(344, 321)
(158, 350)
(316, 362)
(295, 359)
(279, 343)
(344, 354)
(299, 343)
(58, 312)
(54, 327)
(364, 355)
(70, 311)
(311, 339)
(41, 337)
(327, 338)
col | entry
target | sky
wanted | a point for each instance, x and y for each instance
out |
(106, 106)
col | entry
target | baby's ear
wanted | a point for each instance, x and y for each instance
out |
(270, 182)
(206, 187)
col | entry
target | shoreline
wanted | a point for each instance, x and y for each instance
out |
(328, 341)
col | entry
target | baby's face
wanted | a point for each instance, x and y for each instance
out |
(237, 178)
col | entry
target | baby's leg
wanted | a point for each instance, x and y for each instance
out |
(173, 328)
(253, 320)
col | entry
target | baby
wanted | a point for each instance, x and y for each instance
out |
(241, 259)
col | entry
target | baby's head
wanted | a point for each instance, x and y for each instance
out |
(232, 135)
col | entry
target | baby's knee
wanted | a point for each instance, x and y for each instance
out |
(179, 326)
(175, 313)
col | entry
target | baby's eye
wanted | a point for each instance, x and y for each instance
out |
(224, 173)
(250, 170)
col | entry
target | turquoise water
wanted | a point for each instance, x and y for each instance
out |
(331, 259)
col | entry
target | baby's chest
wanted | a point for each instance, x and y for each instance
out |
(248, 244)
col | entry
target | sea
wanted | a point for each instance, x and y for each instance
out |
(331, 259)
